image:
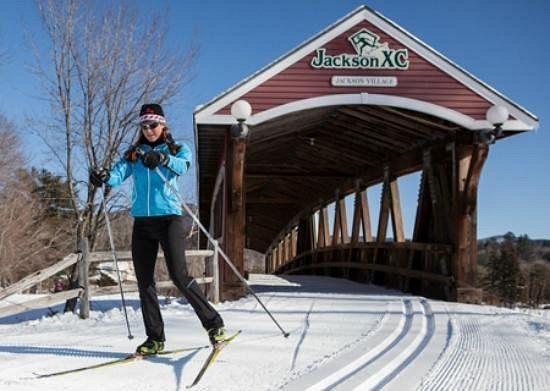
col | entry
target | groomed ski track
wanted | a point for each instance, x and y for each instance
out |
(344, 336)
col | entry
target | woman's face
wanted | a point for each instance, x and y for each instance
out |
(151, 130)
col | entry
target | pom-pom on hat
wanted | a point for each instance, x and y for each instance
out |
(151, 112)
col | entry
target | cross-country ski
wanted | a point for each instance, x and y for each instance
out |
(216, 350)
(124, 360)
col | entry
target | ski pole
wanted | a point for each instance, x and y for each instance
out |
(211, 239)
(113, 253)
(222, 253)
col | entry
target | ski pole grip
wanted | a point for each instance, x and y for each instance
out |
(139, 151)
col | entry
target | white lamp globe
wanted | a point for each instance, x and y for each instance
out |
(241, 110)
(497, 115)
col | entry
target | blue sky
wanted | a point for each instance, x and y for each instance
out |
(502, 42)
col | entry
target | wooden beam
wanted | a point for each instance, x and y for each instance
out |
(112, 289)
(323, 238)
(419, 274)
(126, 256)
(269, 262)
(366, 128)
(235, 218)
(362, 145)
(284, 251)
(307, 174)
(343, 221)
(306, 236)
(385, 204)
(444, 177)
(421, 222)
(479, 156)
(294, 241)
(237, 175)
(276, 261)
(357, 217)
(365, 216)
(38, 276)
(340, 231)
(41, 302)
(272, 200)
(435, 248)
(410, 118)
(470, 163)
(396, 215)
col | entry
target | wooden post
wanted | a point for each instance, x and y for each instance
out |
(216, 273)
(267, 264)
(340, 231)
(305, 239)
(385, 204)
(236, 218)
(83, 281)
(421, 220)
(396, 215)
(323, 236)
(276, 261)
(464, 265)
(284, 244)
(361, 217)
(293, 240)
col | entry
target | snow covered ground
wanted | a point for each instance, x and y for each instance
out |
(344, 336)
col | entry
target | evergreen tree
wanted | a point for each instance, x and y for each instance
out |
(526, 248)
(53, 193)
(504, 274)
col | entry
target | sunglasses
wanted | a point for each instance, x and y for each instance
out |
(150, 125)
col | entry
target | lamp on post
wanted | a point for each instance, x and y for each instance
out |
(496, 115)
(241, 111)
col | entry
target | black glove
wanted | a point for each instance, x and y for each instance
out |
(98, 176)
(152, 159)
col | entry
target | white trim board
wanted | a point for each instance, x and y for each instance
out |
(453, 116)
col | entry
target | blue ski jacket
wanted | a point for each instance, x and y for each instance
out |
(150, 195)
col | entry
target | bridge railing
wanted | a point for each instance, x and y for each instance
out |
(421, 268)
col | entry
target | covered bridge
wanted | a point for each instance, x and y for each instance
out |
(360, 104)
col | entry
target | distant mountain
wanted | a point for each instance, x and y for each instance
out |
(500, 239)
(528, 249)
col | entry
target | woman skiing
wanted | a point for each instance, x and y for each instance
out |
(158, 220)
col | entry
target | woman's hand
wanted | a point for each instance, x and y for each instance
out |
(98, 176)
(152, 159)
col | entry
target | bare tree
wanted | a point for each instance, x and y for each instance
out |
(104, 62)
(10, 158)
(26, 237)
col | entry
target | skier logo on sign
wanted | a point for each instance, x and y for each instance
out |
(364, 42)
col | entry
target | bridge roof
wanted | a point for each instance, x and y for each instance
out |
(425, 62)
(318, 122)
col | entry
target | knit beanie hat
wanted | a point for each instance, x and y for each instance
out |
(151, 112)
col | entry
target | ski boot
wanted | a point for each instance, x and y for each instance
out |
(216, 335)
(150, 346)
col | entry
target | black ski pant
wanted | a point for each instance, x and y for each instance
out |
(169, 232)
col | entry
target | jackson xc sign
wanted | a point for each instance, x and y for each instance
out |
(369, 54)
